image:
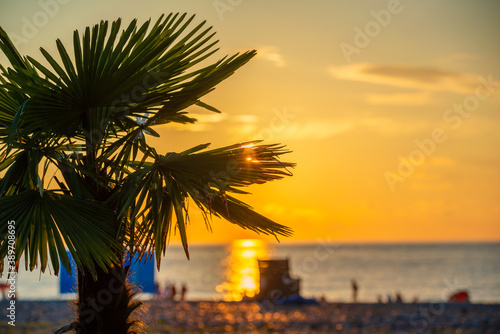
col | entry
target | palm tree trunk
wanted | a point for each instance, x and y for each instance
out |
(104, 305)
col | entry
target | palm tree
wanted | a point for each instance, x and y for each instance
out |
(79, 175)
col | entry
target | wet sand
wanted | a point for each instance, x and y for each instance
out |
(232, 317)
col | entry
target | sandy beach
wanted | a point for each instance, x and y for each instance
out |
(238, 317)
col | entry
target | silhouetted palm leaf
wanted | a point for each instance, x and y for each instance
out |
(78, 172)
(88, 115)
(50, 222)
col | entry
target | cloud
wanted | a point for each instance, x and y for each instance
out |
(458, 58)
(240, 124)
(407, 76)
(328, 128)
(204, 122)
(196, 127)
(271, 53)
(442, 161)
(295, 212)
(433, 174)
(399, 99)
(294, 130)
(392, 127)
(247, 119)
(316, 129)
(208, 118)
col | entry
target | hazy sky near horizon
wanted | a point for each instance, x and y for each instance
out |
(391, 108)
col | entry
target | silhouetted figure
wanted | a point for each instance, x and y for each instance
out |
(165, 293)
(354, 286)
(399, 298)
(379, 299)
(157, 290)
(172, 292)
(183, 292)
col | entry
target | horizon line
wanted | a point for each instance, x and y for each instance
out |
(343, 242)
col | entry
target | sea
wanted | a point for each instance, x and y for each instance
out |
(423, 272)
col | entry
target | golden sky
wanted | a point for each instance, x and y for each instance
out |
(391, 108)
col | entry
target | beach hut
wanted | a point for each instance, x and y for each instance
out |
(275, 281)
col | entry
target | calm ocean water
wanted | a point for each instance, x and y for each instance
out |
(429, 272)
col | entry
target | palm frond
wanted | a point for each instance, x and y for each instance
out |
(52, 222)
(113, 76)
(156, 190)
(10, 50)
(228, 167)
(22, 173)
(89, 112)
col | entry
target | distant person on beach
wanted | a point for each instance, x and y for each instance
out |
(354, 286)
(172, 292)
(183, 291)
(399, 298)
(157, 290)
(166, 291)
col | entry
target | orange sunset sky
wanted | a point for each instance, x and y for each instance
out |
(391, 109)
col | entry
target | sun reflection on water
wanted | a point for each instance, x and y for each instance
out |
(242, 273)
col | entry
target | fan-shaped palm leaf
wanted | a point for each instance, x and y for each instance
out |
(52, 222)
(89, 114)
